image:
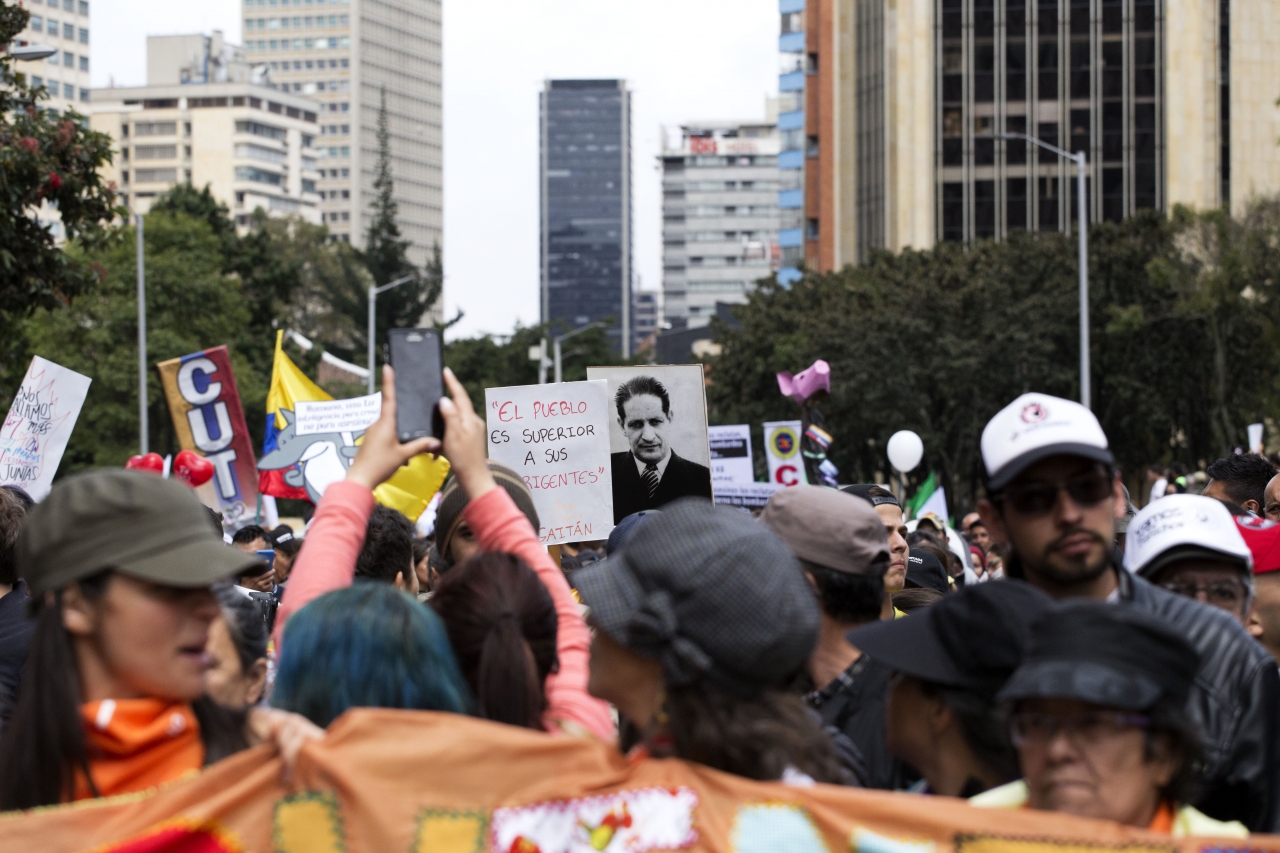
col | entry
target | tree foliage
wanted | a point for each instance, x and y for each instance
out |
(49, 159)
(1184, 322)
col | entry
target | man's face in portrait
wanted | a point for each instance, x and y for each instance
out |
(645, 425)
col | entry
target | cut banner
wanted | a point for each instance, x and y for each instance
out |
(440, 783)
(209, 419)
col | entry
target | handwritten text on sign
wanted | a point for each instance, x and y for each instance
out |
(557, 438)
(39, 423)
(314, 417)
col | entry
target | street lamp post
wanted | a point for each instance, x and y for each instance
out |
(373, 321)
(142, 343)
(1081, 159)
(555, 344)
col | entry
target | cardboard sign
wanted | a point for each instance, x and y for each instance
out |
(557, 438)
(657, 435)
(731, 459)
(39, 424)
(313, 417)
(745, 496)
(209, 419)
(782, 452)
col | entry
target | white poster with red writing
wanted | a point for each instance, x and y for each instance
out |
(41, 417)
(556, 437)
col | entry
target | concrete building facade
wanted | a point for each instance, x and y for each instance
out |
(343, 54)
(64, 25)
(897, 107)
(252, 145)
(585, 179)
(720, 216)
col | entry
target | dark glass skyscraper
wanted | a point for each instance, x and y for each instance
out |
(586, 205)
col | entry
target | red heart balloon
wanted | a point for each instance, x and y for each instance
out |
(192, 468)
(152, 462)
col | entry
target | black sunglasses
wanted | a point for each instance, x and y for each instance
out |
(1038, 498)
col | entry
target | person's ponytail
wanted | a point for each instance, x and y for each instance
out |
(502, 626)
(508, 688)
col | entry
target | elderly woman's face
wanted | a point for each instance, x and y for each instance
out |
(1090, 761)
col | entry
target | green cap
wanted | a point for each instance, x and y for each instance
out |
(131, 521)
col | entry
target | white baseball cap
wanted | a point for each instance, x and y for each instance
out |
(1035, 427)
(1178, 527)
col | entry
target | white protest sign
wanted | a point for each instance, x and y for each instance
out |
(745, 496)
(557, 438)
(313, 417)
(39, 424)
(731, 460)
(782, 452)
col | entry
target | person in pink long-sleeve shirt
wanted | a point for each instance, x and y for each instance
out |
(328, 558)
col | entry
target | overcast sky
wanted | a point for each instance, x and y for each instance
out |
(684, 59)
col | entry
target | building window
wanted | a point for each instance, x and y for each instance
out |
(84, 63)
(811, 228)
(37, 82)
(84, 36)
(53, 28)
(261, 176)
(69, 5)
(155, 176)
(308, 186)
(155, 152)
(84, 96)
(68, 91)
(811, 146)
(53, 58)
(154, 128)
(37, 23)
(68, 31)
(68, 59)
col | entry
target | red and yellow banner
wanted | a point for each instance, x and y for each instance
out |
(209, 419)
(440, 783)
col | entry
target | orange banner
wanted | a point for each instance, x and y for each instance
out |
(438, 783)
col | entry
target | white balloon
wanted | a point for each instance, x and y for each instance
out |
(905, 450)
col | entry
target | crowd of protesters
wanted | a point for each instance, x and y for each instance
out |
(1060, 650)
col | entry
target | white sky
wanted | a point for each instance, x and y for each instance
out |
(684, 59)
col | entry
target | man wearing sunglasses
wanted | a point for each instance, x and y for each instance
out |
(1052, 493)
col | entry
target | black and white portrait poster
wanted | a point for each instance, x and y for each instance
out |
(657, 435)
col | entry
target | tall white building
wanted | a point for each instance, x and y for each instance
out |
(719, 216)
(62, 24)
(207, 118)
(343, 53)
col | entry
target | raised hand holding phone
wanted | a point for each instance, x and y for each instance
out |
(381, 451)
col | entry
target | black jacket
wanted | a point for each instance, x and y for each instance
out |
(1236, 702)
(681, 479)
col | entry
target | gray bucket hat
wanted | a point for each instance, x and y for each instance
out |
(709, 593)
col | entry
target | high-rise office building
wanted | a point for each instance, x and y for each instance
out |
(719, 216)
(892, 130)
(344, 53)
(207, 118)
(644, 318)
(64, 26)
(586, 205)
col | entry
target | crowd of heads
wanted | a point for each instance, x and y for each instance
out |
(1056, 648)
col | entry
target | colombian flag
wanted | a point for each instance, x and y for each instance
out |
(289, 385)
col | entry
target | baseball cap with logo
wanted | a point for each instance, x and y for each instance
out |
(1035, 427)
(831, 529)
(1179, 527)
(1182, 527)
(131, 522)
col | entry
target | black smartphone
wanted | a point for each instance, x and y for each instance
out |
(415, 355)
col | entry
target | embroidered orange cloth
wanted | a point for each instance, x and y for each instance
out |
(1162, 822)
(136, 744)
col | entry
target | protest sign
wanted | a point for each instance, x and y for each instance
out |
(208, 418)
(657, 435)
(745, 496)
(507, 789)
(39, 424)
(312, 417)
(556, 437)
(731, 459)
(782, 452)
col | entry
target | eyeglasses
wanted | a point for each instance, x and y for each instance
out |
(1228, 594)
(1039, 498)
(1087, 729)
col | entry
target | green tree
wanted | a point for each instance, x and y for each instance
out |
(192, 304)
(386, 254)
(44, 158)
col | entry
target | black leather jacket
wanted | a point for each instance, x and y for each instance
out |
(1236, 702)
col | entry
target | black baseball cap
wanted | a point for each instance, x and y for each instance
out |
(863, 490)
(973, 639)
(710, 593)
(1117, 657)
(925, 570)
(132, 522)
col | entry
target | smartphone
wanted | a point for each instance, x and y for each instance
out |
(268, 556)
(415, 355)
